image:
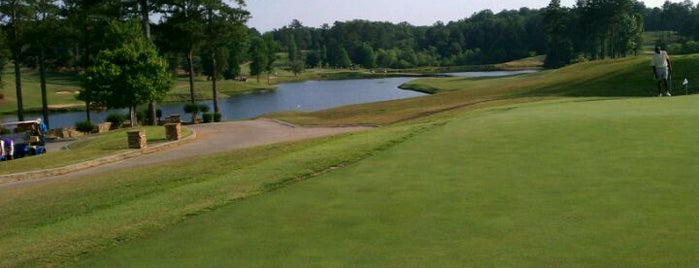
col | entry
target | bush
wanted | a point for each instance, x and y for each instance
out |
(207, 117)
(203, 108)
(84, 126)
(191, 108)
(217, 117)
(116, 119)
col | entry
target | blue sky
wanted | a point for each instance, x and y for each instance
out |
(274, 14)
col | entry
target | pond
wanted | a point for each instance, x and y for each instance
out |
(304, 96)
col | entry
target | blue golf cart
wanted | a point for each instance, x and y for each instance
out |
(20, 139)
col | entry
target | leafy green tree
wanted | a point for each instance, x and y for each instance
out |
(323, 55)
(386, 58)
(87, 24)
(184, 29)
(16, 13)
(366, 56)
(313, 59)
(271, 54)
(223, 24)
(338, 57)
(293, 50)
(237, 53)
(559, 45)
(298, 65)
(46, 28)
(129, 75)
(5, 54)
(258, 56)
(143, 11)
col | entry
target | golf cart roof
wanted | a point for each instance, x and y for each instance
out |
(37, 121)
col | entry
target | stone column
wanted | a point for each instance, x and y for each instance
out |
(137, 139)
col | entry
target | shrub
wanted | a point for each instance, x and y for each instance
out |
(217, 117)
(207, 117)
(116, 119)
(203, 108)
(190, 108)
(84, 126)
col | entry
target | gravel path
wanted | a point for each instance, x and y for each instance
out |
(211, 138)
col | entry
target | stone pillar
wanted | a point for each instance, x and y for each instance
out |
(137, 139)
(175, 118)
(173, 131)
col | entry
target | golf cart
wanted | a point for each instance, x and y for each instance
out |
(20, 139)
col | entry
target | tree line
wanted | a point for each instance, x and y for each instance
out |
(593, 29)
(590, 30)
(483, 38)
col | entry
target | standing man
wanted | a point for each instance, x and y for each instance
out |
(661, 70)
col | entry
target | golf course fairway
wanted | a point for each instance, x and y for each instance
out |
(561, 183)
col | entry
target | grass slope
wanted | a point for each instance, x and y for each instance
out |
(58, 222)
(625, 77)
(581, 183)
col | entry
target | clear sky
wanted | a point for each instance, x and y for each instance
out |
(273, 14)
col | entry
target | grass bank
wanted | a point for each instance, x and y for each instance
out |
(573, 183)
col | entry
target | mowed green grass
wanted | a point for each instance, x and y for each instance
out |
(565, 183)
(58, 222)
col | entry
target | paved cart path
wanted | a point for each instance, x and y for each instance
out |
(210, 139)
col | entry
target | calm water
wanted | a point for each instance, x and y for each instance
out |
(305, 96)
